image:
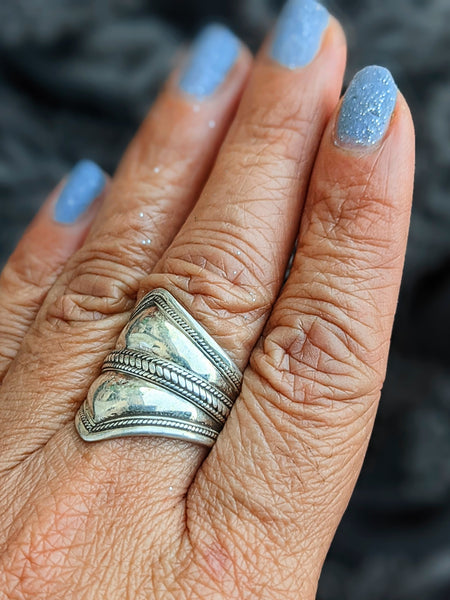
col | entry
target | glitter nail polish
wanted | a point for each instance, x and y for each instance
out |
(367, 108)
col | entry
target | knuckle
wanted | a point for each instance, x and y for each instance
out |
(255, 172)
(264, 128)
(223, 566)
(125, 236)
(312, 361)
(96, 285)
(274, 137)
(135, 187)
(353, 215)
(281, 117)
(23, 272)
(216, 282)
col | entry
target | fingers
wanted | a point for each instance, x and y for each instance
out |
(286, 463)
(156, 185)
(226, 265)
(228, 260)
(56, 233)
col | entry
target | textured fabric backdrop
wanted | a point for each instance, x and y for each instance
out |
(77, 76)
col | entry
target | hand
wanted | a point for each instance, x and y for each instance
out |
(207, 203)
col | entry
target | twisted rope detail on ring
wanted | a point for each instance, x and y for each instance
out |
(153, 368)
(145, 421)
(175, 378)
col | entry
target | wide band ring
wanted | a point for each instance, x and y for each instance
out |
(167, 377)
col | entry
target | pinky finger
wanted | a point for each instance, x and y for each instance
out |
(55, 233)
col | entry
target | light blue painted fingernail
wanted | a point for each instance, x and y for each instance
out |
(367, 108)
(85, 183)
(298, 32)
(213, 54)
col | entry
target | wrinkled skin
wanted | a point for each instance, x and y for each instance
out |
(254, 518)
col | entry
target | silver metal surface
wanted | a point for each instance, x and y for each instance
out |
(167, 377)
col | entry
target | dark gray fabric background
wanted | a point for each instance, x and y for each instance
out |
(77, 76)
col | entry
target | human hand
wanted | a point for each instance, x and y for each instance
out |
(157, 518)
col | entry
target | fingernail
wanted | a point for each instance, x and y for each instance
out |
(367, 108)
(85, 183)
(298, 32)
(213, 54)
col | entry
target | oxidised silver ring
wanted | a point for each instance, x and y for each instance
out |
(167, 377)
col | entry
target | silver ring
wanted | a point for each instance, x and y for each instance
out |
(167, 377)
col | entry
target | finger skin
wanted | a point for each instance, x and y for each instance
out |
(157, 183)
(285, 466)
(33, 268)
(140, 485)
